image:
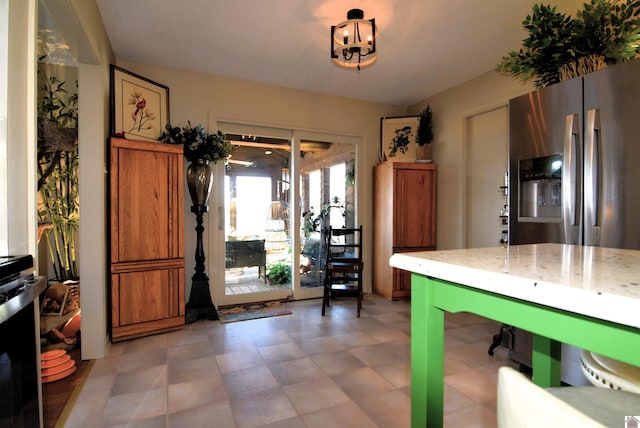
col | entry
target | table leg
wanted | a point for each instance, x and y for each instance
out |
(546, 358)
(427, 356)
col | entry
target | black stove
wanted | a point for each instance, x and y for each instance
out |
(20, 348)
(16, 276)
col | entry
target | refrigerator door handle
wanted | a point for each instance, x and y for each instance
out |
(591, 177)
(570, 180)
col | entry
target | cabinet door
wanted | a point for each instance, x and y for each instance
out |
(401, 284)
(414, 208)
(146, 210)
(148, 300)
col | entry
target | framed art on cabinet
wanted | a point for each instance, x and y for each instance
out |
(398, 138)
(139, 106)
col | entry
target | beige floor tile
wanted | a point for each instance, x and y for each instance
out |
(355, 339)
(190, 351)
(261, 409)
(402, 347)
(362, 382)
(214, 414)
(281, 352)
(347, 415)
(398, 374)
(195, 393)
(295, 371)
(194, 369)
(473, 417)
(144, 344)
(296, 422)
(240, 360)
(474, 385)
(140, 380)
(249, 382)
(455, 402)
(390, 410)
(96, 388)
(187, 336)
(86, 414)
(338, 363)
(374, 355)
(124, 408)
(106, 366)
(315, 394)
(130, 362)
(319, 345)
(453, 366)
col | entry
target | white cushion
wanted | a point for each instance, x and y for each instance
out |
(523, 404)
(609, 373)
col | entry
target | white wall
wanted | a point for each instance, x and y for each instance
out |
(21, 127)
(450, 108)
(201, 98)
(81, 24)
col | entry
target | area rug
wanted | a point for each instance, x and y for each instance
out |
(252, 311)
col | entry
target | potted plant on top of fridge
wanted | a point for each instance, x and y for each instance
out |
(559, 47)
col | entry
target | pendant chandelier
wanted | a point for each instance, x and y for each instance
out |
(353, 42)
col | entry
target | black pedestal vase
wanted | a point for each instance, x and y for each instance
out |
(200, 305)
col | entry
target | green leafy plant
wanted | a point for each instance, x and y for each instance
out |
(279, 273)
(549, 46)
(425, 127)
(605, 32)
(312, 221)
(198, 143)
(58, 203)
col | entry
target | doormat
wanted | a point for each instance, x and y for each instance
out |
(252, 311)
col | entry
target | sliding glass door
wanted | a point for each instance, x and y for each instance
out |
(257, 228)
(280, 196)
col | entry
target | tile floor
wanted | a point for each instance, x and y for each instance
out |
(299, 370)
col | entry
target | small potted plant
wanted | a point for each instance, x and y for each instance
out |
(424, 137)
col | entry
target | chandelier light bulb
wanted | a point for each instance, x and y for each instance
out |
(353, 42)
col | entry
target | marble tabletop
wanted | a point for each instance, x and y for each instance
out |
(598, 282)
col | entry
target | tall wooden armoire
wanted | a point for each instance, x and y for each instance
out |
(404, 216)
(146, 224)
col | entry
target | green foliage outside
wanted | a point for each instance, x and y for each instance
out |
(279, 273)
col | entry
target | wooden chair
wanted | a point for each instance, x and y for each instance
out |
(343, 265)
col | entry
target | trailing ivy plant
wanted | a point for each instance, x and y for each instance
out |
(605, 32)
(58, 204)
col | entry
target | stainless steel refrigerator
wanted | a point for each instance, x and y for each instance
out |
(574, 171)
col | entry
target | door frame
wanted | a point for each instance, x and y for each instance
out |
(467, 162)
(215, 230)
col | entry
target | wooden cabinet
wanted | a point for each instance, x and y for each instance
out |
(404, 216)
(146, 218)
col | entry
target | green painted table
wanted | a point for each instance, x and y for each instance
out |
(584, 296)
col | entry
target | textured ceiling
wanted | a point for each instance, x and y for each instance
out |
(424, 46)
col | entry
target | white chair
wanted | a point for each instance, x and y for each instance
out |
(609, 373)
(523, 404)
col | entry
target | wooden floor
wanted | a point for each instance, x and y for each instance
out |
(56, 395)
